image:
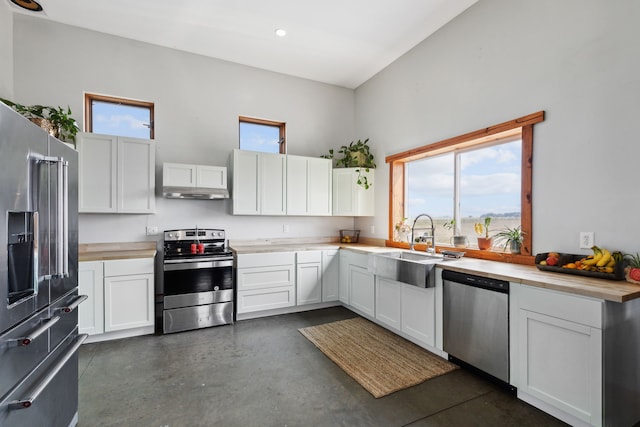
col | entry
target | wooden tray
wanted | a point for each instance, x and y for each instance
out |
(618, 273)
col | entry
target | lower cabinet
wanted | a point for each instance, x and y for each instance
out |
(406, 308)
(265, 281)
(308, 277)
(120, 297)
(557, 352)
(356, 284)
(330, 275)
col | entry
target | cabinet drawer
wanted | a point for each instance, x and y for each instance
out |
(266, 299)
(309, 256)
(127, 267)
(265, 277)
(265, 259)
(573, 308)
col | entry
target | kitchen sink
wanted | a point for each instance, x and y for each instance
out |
(410, 267)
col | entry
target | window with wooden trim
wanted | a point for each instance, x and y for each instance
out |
(467, 178)
(118, 116)
(262, 135)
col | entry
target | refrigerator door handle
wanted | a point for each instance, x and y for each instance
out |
(33, 394)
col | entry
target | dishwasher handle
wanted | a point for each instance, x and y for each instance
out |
(495, 285)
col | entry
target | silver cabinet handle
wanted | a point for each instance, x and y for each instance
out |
(68, 309)
(37, 332)
(33, 394)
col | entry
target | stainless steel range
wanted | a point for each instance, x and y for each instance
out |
(198, 280)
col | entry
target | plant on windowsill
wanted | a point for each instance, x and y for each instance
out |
(512, 237)
(459, 240)
(355, 155)
(485, 242)
(55, 120)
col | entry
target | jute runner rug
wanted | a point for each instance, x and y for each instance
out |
(380, 361)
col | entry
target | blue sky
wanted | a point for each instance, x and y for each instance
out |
(256, 137)
(121, 120)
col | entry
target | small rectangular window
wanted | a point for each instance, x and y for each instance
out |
(262, 135)
(118, 116)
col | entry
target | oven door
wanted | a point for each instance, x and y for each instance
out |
(197, 275)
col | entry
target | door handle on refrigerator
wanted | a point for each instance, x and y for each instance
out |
(36, 332)
(73, 305)
(32, 395)
(62, 230)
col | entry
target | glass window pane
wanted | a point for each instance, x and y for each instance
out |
(122, 120)
(430, 190)
(257, 137)
(490, 185)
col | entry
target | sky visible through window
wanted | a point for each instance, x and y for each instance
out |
(122, 120)
(490, 183)
(257, 137)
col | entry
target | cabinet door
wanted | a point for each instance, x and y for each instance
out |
(97, 185)
(128, 302)
(343, 283)
(246, 181)
(309, 283)
(178, 175)
(136, 175)
(362, 290)
(319, 179)
(211, 176)
(349, 198)
(273, 184)
(297, 185)
(388, 302)
(91, 283)
(561, 364)
(330, 275)
(418, 313)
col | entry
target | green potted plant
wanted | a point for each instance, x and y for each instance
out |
(512, 237)
(55, 120)
(459, 240)
(355, 155)
(484, 242)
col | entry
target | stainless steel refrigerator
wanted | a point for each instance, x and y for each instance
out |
(39, 337)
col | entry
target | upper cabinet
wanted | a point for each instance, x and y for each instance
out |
(308, 186)
(202, 176)
(116, 174)
(259, 183)
(350, 198)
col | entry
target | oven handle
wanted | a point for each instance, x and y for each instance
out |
(197, 265)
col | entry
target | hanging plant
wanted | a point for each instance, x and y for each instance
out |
(355, 155)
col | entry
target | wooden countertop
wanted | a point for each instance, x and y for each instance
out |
(113, 251)
(609, 290)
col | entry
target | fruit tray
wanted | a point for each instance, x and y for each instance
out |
(618, 272)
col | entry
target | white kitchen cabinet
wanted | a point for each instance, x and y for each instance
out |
(265, 281)
(200, 176)
(259, 183)
(91, 284)
(308, 186)
(362, 290)
(557, 351)
(343, 282)
(128, 294)
(330, 275)
(116, 174)
(308, 277)
(349, 198)
(408, 309)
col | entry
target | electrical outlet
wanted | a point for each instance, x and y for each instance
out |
(285, 228)
(152, 230)
(587, 239)
(372, 230)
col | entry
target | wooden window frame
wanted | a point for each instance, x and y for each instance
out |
(282, 126)
(88, 109)
(397, 188)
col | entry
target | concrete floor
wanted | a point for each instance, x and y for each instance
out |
(263, 372)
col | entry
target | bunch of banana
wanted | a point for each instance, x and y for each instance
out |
(602, 260)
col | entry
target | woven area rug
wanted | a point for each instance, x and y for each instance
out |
(380, 361)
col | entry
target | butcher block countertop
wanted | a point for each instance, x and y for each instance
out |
(609, 290)
(113, 251)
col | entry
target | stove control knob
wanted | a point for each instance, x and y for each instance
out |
(170, 235)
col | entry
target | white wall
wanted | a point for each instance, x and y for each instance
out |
(197, 104)
(579, 60)
(6, 52)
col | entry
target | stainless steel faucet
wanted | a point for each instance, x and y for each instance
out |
(431, 236)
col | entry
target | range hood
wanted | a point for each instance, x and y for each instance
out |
(202, 193)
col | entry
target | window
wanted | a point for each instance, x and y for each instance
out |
(118, 116)
(479, 174)
(262, 135)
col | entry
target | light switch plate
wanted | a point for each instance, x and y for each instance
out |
(587, 239)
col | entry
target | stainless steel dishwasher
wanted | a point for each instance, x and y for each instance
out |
(476, 322)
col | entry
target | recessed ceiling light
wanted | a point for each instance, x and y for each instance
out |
(280, 32)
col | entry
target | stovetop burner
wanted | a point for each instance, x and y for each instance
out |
(195, 244)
